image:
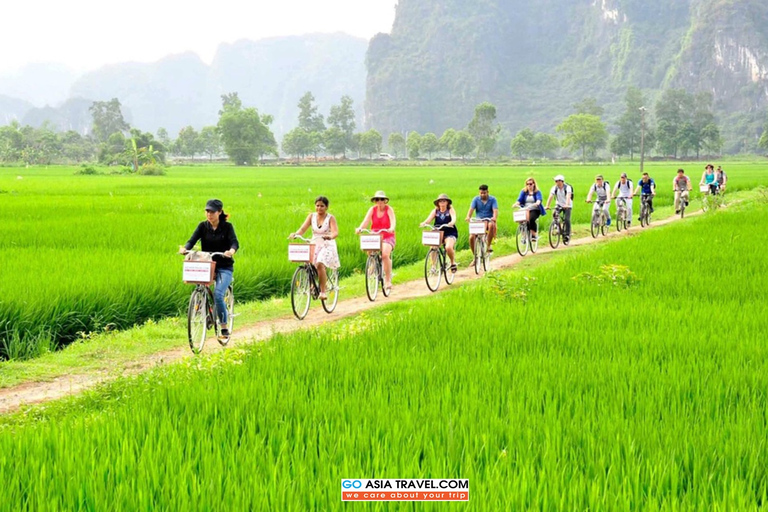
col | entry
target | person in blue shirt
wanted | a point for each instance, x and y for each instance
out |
(530, 199)
(647, 189)
(485, 206)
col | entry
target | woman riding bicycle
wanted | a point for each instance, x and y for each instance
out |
(530, 199)
(324, 233)
(445, 215)
(381, 217)
(709, 178)
(217, 235)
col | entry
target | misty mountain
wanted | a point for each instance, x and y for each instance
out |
(270, 74)
(39, 84)
(534, 60)
(73, 114)
(12, 109)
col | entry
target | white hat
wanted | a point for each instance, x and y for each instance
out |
(560, 177)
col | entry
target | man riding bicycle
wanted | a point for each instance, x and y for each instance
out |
(625, 192)
(485, 206)
(603, 191)
(681, 186)
(647, 189)
(217, 235)
(563, 195)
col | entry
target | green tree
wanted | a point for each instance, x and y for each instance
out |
(163, 137)
(627, 141)
(107, 119)
(673, 111)
(244, 133)
(11, 142)
(589, 106)
(522, 144)
(763, 142)
(356, 144)
(545, 145)
(342, 116)
(209, 141)
(297, 142)
(429, 144)
(188, 142)
(446, 141)
(462, 144)
(396, 144)
(113, 151)
(335, 141)
(309, 119)
(413, 144)
(484, 129)
(583, 132)
(370, 143)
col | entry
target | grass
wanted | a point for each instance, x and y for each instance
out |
(628, 375)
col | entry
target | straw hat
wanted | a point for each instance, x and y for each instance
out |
(441, 197)
(379, 195)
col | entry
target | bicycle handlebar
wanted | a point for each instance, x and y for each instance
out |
(435, 228)
(380, 231)
(308, 240)
(474, 219)
(211, 254)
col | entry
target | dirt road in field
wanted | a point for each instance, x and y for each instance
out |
(36, 392)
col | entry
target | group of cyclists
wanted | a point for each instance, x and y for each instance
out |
(217, 235)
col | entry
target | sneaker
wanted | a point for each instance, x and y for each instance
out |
(629, 223)
(534, 239)
(454, 268)
(608, 222)
(224, 333)
(677, 212)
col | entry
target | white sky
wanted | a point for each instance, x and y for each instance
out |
(85, 34)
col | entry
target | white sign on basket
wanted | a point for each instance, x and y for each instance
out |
(197, 272)
(477, 228)
(370, 242)
(431, 238)
(300, 253)
(704, 188)
(520, 215)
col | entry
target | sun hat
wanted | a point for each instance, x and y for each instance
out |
(443, 196)
(214, 205)
(379, 195)
(560, 177)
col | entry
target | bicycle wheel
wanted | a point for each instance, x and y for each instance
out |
(197, 321)
(229, 300)
(432, 269)
(486, 258)
(384, 290)
(619, 216)
(594, 226)
(300, 292)
(554, 234)
(449, 275)
(331, 290)
(478, 253)
(534, 244)
(521, 239)
(371, 278)
(603, 225)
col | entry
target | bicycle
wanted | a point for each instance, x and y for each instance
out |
(201, 313)
(374, 271)
(305, 285)
(711, 197)
(482, 258)
(645, 210)
(683, 204)
(523, 237)
(599, 222)
(621, 214)
(436, 263)
(557, 228)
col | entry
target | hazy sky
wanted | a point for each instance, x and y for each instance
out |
(85, 34)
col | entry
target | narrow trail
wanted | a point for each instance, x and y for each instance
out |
(15, 397)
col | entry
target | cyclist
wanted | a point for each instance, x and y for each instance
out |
(681, 185)
(530, 199)
(324, 233)
(381, 217)
(709, 178)
(485, 206)
(647, 188)
(445, 215)
(721, 177)
(603, 191)
(624, 189)
(216, 234)
(563, 195)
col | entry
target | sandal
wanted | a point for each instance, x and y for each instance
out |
(323, 296)
(454, 268)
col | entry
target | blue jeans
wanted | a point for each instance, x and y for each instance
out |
(223, 280)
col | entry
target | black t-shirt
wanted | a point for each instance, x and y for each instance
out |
(221, 239)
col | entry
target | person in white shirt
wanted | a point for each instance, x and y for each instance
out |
(563, 195)
(603, 191)
(624, 189)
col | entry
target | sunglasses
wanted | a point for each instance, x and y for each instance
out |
(379, 199)
(529, 183)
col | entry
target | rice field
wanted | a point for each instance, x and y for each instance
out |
(625, 376)
(98, 252)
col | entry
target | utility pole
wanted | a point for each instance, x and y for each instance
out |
(642, 138)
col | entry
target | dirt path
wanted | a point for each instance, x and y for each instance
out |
(35, 392)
